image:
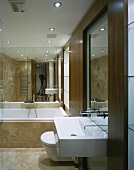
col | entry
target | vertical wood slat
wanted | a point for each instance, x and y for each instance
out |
(117, 134)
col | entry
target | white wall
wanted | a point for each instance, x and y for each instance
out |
(66, 78)
(59, 76)
(51, 74)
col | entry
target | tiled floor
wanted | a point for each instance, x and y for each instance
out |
(30, 159)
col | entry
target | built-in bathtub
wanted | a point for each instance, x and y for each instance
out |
(31, 114)
(21, 128)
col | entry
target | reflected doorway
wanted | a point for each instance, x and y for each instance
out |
(41, 81)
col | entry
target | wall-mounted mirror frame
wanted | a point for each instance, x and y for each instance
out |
(96, 64)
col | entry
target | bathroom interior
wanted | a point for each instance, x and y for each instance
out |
(54, 101)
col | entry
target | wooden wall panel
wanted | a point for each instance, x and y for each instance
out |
(117, 146)
(74, 79)
(76, 59)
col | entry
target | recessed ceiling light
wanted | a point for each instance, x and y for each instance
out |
(93, 55)
(49, 41)
(22, 55)
(51, 29)
(47, 51)
(18, 51)
(0, 30)
(102, 51)
(7, 42)
(102, 29)
(46, 55)
(57, 4)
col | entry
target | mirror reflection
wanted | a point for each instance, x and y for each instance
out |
(29, 74)
(97, 84)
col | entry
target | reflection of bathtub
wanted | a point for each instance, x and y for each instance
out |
(19, 131)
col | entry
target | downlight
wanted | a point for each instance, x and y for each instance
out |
(102, 29)
(51, 29)
(57, 4)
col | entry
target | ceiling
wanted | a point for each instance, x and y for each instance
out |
(99, 41)
(28, 31)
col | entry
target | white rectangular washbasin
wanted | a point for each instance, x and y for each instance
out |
(79, 137)
(51, 91)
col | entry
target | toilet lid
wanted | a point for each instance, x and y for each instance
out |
(48, 138)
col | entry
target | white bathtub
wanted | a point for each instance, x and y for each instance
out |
(34, 114)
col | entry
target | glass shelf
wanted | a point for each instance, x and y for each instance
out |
(131, 25)
(131, 127)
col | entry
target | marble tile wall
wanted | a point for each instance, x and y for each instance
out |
(15, 78)
(99, 78)
(23, 134)
(9, 79)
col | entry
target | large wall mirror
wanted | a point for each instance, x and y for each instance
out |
(28, 74)
(97, 64)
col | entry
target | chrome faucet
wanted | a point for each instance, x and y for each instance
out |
(34, 111)
(88, 125)
(90, 110)
(99, 112)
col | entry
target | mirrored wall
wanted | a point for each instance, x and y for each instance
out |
(28, 74)
(97, 64)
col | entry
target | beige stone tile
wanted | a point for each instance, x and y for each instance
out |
(32, 159)
(21, 125)
(27, 133)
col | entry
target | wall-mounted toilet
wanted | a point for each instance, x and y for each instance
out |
(48, 142)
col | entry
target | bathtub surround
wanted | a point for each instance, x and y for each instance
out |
(30, 105)
(22, 128)
(24, 134)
